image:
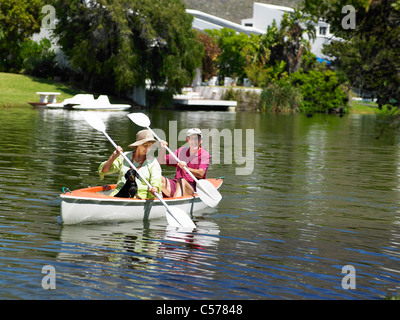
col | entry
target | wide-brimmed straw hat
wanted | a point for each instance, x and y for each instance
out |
(142, 136)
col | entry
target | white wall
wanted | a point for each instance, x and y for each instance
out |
(265, 14)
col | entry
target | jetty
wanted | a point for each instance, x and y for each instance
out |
(203, 98)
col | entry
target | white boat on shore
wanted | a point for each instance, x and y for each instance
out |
(95, 205)
(88, 102)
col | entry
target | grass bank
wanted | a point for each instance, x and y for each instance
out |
(16, 90)
(366, 108)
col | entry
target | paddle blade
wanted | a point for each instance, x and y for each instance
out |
(208, 193)
(94, 121)
(178, 218)
(140, 119)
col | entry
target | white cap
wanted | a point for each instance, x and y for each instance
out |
(194, 131)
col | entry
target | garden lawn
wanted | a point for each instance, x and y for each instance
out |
(366, 108)
(16, 90)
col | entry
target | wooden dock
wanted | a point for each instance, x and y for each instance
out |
(205, 104)
(194, 101)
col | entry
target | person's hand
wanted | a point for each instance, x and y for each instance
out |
(163, 143)
(117, 152)
(153, 190)
(182, 164)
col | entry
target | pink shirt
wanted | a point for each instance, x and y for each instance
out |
(200, 160)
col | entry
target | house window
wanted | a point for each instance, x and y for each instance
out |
(322, 31)
(248, 24)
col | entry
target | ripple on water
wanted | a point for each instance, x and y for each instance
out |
(322, 195)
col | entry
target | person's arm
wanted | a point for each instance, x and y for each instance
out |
(112, 165)
(155, 177)
(164, 158)
(198, 173)
(161, 155)
(107, 165)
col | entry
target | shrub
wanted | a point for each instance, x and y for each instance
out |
(321, 91)
(261, 75)
(247, 100)
(38, 58)
(280, 96)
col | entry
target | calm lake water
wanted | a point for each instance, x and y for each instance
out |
(323, 194)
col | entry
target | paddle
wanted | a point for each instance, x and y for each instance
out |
(205, 189)
(175, 217)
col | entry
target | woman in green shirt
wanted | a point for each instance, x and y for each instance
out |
(148, 167)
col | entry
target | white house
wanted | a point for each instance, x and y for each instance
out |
(265, 14)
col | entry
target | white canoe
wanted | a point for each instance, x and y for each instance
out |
(94, 205)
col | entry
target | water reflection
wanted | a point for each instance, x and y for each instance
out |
(141, 247)
(133, 233)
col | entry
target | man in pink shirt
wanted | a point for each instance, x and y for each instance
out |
(194, 157)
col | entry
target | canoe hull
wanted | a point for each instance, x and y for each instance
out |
(93, 205)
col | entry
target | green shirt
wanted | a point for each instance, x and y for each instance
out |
(149, 170)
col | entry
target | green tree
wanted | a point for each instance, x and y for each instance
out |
(270, 56)
(19, 20)
(211, 54)
(261, 69)
(232, 60)
(370, 54)
(296, 31)
(122, 43)
(39, 59)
